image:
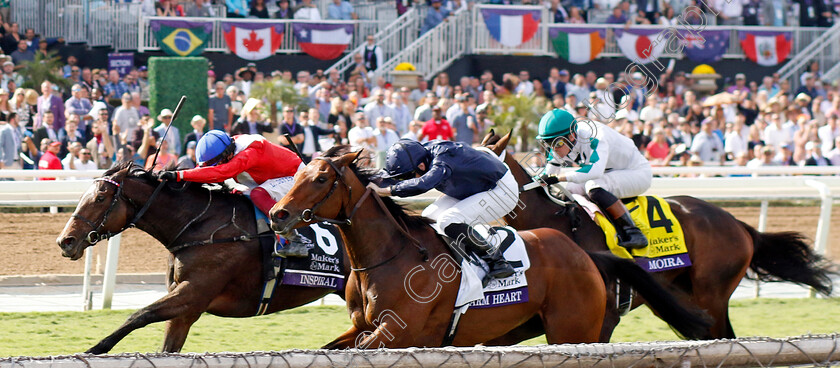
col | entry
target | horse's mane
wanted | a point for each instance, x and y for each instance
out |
(368, 174)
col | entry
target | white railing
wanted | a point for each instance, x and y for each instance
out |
(81, 21)
(288, 45)
(435, 50)
(483, 42)
(376, 10)
(825, 49)
(392, 39)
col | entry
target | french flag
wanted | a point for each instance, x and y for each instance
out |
(511, 27)
(323, 41)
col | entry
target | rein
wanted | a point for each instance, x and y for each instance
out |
(94, 236)
(308, 215)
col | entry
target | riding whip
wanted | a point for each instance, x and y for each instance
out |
(293, 146)
(174, 115)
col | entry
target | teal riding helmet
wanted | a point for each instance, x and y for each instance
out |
(555, 123)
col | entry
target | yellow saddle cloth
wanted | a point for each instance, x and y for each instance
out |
(666, 248)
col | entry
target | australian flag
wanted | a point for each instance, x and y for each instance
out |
(705, 46)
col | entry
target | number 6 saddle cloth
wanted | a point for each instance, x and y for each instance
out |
(666, 248)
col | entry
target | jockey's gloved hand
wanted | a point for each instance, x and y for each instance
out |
(549, 179)
(167, 175)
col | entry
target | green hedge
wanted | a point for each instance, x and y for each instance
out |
(172, 77)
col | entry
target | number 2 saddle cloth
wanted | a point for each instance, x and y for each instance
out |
(666, 248)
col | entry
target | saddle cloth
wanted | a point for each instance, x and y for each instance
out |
(666, 248)
(510, 290)
(323, 267)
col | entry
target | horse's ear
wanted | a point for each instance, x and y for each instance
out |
(347, 158)
(486, 140)
(501, 145)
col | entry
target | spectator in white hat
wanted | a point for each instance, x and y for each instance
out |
(173, 137)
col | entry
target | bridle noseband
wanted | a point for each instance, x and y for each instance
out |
(308, 215)
(95, 236)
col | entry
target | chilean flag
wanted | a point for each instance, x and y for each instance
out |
(253, 41)
(511, 27)
(323, 41)
(766, 48)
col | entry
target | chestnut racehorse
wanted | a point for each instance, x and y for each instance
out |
(388, 309)
(721, 249)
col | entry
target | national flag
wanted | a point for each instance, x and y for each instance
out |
(323, 41)
(704, 46)
(641, 45)
(766, 48)
(253, 41)
(578, 45)
(182, 38)
(511, 27)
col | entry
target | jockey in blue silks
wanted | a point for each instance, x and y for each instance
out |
(477, 188)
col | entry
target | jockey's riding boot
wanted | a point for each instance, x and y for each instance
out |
(473, 241)
(629, 235)
(632, 237)
(293, 247)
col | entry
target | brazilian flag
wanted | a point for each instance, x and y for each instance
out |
(181, 38)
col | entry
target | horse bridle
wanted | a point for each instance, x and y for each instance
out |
(308, 215)
(94, 236)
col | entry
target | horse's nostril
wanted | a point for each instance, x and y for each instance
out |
(66, 242)
(281, 215)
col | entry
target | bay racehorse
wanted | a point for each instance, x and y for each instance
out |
(222, 277)
(397, 299)
(721, 249)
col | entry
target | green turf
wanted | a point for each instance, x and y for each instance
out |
(39, 334)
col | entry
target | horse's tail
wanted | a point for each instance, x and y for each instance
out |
(690, 323)
(786, 256)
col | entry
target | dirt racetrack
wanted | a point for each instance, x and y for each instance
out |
(28, 241)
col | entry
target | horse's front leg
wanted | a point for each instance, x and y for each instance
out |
(347, 340)
(185, 300)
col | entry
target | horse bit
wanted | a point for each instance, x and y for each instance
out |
(94, 236)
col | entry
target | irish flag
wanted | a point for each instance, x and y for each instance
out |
(511, 27)
(641, 45)
(578, 45)
(766, 48)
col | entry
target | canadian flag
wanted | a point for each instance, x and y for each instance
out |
(766, 48)
(253, 41)
(641, 45)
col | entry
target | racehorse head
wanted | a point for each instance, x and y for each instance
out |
(103, 211)
(325, 190)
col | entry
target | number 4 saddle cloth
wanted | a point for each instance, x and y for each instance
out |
(666, 248)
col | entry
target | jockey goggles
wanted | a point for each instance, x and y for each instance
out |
(555, 143)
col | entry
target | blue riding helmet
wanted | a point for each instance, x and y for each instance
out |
(403, 158)
(210, 146)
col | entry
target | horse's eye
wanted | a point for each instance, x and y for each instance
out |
(100, 198)
(322, 180)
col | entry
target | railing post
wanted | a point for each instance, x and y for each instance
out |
(86, 294)
(110, 277)
(824, 223)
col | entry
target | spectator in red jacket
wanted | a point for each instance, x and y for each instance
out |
(49, 160)
(437, 127)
